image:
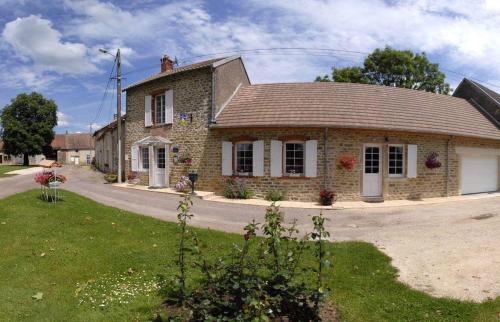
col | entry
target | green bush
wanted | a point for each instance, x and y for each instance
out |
(275, 195)
(260, 280)
(236, 189)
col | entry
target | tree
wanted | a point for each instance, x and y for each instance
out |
(390, 67)
(28, 125)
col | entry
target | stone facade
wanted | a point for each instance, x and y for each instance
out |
(198, 140)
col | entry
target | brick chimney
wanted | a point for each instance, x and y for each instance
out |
(166, 64)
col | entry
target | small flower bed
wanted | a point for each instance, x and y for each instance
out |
(236, 189)
(432, 161)
(48, 177)
(183, 185)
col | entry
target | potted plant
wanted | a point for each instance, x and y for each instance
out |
(347, 162)
(50, 179)
(110, 177)
(293, 173)
(326, 197)
(432, 161)
(183, 185)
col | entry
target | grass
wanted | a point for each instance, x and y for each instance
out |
(77, 251)
(7, 168)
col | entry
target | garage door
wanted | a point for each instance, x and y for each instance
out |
(479, 174)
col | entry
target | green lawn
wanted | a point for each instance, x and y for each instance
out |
(8, 168)
(77, 251)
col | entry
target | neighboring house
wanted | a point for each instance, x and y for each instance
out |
(106, 142)
(482, 97)
(209, 118)
(7, 159)
(74, 148)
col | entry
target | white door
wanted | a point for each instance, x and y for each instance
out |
(160, 166)
(372, 170)
(479, 174)
(77, 160)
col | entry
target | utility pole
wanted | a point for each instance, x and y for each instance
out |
(119, 111)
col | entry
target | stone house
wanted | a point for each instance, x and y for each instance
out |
(363, 142)
(8, 159)
(106, 143)
(73, 148)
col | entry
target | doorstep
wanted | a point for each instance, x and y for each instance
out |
(199, 194)
(211, 196)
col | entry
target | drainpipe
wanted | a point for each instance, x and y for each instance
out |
(325, 154)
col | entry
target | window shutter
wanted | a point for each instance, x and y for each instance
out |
(258, 158)
(411, 169)
(311, 158)
(148, 121)
(276, 158)
(227, 158)
(169, 107)
(135, 158)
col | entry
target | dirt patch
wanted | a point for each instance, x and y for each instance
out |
(483, 216)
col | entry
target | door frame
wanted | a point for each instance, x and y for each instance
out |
(153, 165)
(380, 171)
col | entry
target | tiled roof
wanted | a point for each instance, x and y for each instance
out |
(73, 141)
(202, 64)
(494, 95)
(346, 105)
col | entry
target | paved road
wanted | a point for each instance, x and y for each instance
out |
(438, 248)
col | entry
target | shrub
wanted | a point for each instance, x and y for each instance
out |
(326, 197)
(236, 189)
(275, 195)
(259, 280)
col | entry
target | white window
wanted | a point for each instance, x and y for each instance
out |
(396, 160)
(145, 158)
(89, 159)
(294, 158)
(160, 109)
(244, 158)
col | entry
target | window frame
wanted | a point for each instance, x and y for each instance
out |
(235, 163)
(162, 109)
(403, 158)
(141, 157)
(284, 172)
(158, 159)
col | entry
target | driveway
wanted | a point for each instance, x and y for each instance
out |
(449, 249)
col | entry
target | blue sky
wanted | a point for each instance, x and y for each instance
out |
(52, 46)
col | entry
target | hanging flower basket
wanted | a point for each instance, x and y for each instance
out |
(50, 179)
(347, 162)
(432, 161)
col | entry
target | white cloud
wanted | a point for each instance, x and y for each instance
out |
(33, 38)
(62, 119)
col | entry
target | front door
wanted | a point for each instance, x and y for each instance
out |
(372, 171)
(160, 165)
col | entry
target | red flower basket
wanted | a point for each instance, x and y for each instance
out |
(347, 162)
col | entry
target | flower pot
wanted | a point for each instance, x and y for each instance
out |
(326, 201)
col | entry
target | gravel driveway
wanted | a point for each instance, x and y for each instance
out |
(449, 249)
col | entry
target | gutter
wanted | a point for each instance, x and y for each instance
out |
(325, 159)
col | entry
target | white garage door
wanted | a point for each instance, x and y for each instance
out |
(479, 174)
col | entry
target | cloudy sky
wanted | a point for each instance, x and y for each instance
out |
(52, 46)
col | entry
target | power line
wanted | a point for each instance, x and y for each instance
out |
(310, 51)
(104, 94)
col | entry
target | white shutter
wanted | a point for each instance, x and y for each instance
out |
(276, 158)
(169, 107)
(148, 121)
(227, 158)
(135, 158)
(411, 169)
(311, 158)
(258, 158)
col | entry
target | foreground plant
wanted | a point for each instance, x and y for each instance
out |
(258, 280)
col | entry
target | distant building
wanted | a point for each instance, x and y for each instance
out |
(8, 159)
(106, 147)
(74, 148)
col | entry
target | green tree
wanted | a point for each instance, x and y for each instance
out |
(28, 124)
(390, 67)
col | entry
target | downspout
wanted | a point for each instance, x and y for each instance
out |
(325, 154)
(212, 121)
